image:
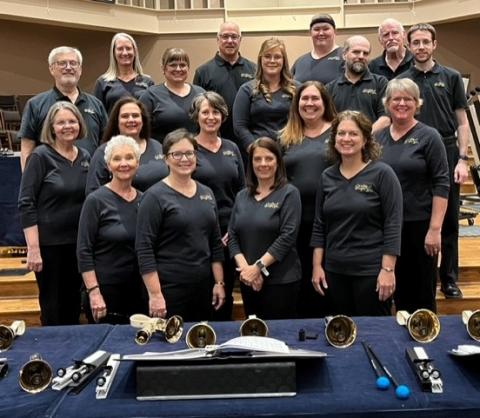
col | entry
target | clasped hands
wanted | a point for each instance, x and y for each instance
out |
(250, 275)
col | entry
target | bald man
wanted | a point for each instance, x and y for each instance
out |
(226, 72)
(396, 58)
(357, 88)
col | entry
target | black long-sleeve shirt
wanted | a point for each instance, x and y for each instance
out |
(358, 220)
(51, 195)
(223, 172)
(254, 117)
(420, 162)
(178, 236)
(169, 111)
(106, 237)
(152, 168)
(270, 224)
(305, 163)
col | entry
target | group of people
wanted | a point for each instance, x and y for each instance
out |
(328, 188)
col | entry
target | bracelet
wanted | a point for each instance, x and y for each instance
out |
(92, 289)
(219, 283)
(388, 269)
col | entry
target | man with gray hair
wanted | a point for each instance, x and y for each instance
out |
(396, 58)
(357, 88)
(226, 72)
(65, 65)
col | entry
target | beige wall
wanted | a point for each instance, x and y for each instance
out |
(25, 47)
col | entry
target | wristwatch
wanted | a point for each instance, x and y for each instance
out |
(463, 157)
(262, 267)
(388, 269)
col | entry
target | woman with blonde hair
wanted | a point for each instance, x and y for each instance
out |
(261, 105)
(304, 141)
(124, 76)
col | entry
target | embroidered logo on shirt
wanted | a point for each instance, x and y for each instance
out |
(286, 96)
(141, 84)
(371, 92)
(85, 164)
(158, 156)
(246, 75)
(335, 58)
(411, 141)
(88, 110)
(364, 188)
(229, 153)
(440, 84)
(206, 197)
(272, 205)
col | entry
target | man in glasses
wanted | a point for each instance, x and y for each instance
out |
(226, 72)
(65, 65)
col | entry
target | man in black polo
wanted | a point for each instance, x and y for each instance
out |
(396, 58)
(444, 104)
(357, 88)
(65, 65)
(226, 72)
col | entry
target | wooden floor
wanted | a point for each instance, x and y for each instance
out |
(19, 294)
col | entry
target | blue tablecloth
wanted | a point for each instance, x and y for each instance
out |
(343, 384)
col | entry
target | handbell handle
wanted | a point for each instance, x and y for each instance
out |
(402, 318)
(142, 321)
(18, 327)
(466, 316)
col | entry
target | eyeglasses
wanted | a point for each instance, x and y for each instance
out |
(178, 155)
(398, 100)
(64, 64)
(420, 42)
(227, 36)
(175, 65)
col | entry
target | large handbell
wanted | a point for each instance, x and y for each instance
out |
(340, 331)
(35, 375)
(471, 319)
(423, 325)
(8, 334)
(172, 328)
(200, 335)
(254, 326)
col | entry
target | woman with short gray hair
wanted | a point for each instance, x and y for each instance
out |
(106, 240)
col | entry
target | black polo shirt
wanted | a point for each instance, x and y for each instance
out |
(443, 93)
(90, 107)
(379, 66)
(324, 69)
(364, 96)
(108, 92)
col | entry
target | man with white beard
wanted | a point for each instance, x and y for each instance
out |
(357, 88)
(396, 58)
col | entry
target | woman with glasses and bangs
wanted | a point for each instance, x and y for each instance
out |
(178, 240)
(168, 104)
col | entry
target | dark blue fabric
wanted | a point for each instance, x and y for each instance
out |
(10, 230)
(343, 383)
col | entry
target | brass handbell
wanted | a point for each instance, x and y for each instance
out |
(340, 331)
(8, 334)
(423, 325)
(35, 375)
(172, 328)
(200, 335)
(254, 326)
(472, 321)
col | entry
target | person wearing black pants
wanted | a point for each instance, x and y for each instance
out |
(51, 195)
(357, 227)
(262, 235)
(106, 239)
(220, 167)
(417, 155)
(444, 108)
(304, 143)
